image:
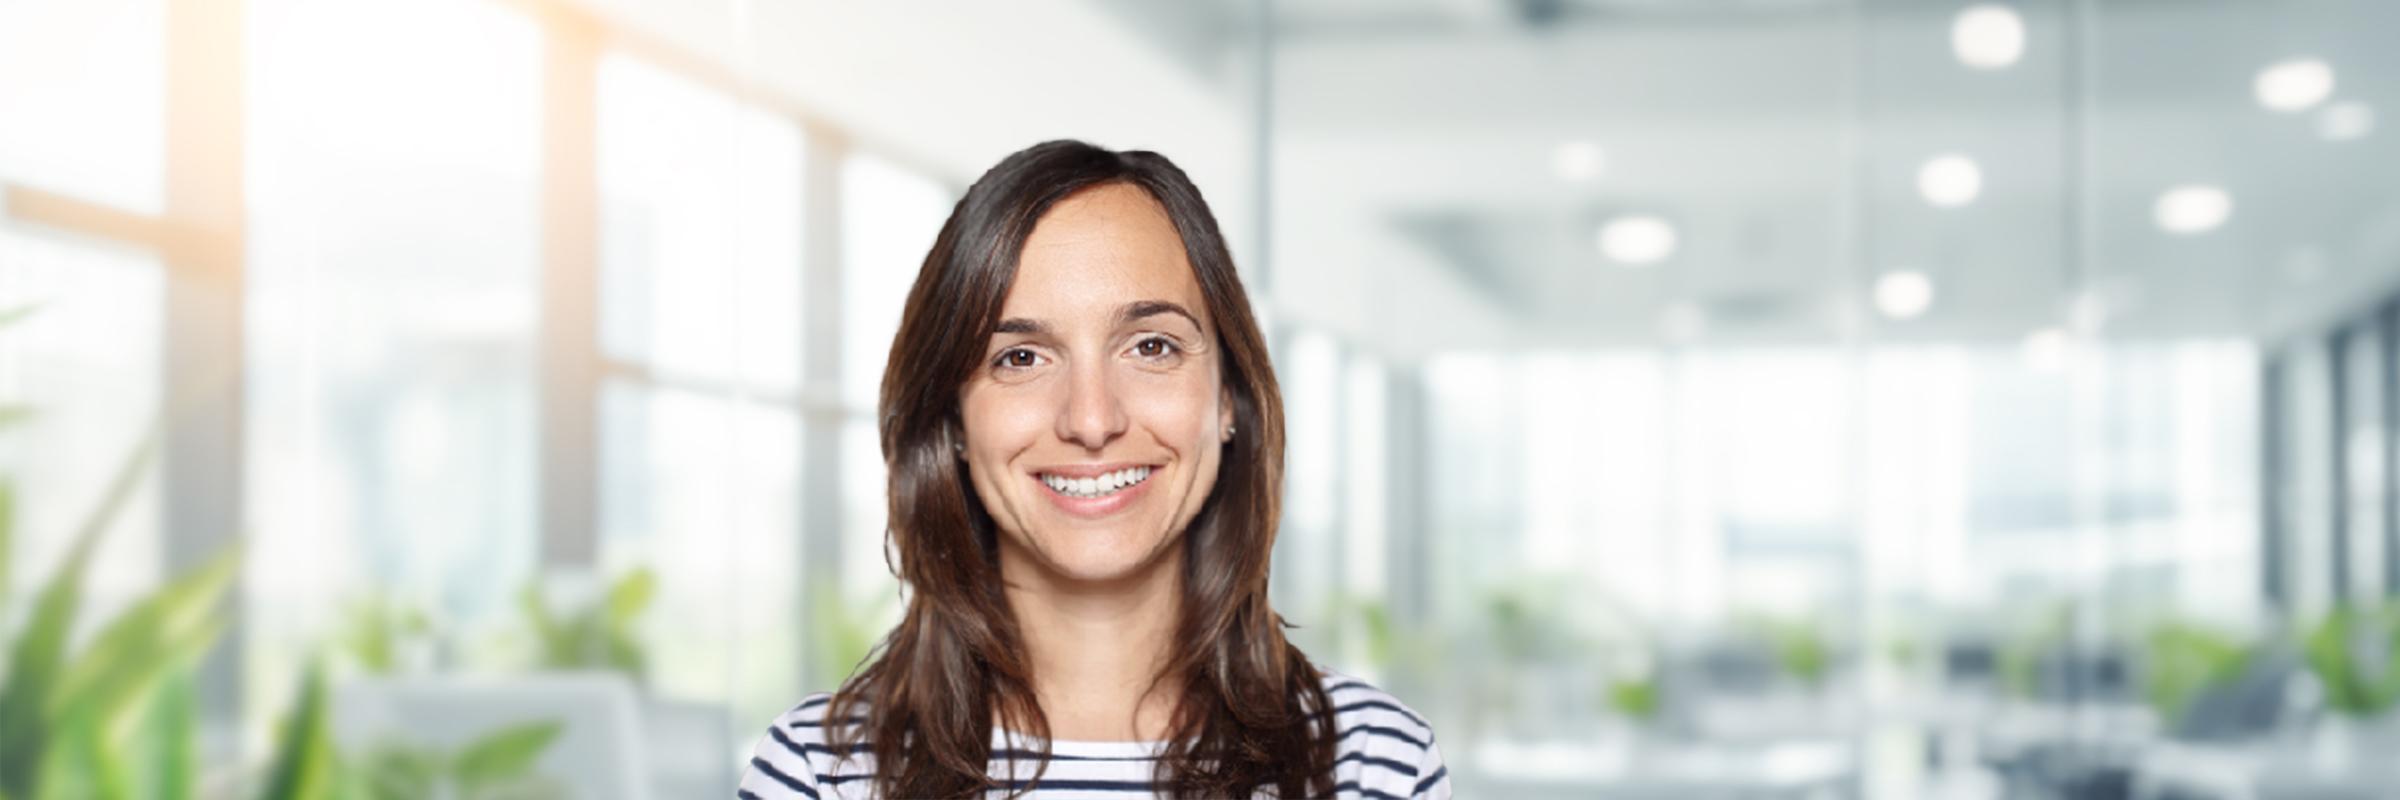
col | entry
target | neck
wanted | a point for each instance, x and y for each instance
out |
(1096, 646)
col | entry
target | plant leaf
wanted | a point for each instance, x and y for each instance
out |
(162, 633)
(630, 595)
(34, 669)
(41, 651)
(14, 315)
(174, 732)
(393, 771)
(8, 540)
(545, 627)
(305, 766)
(503, 755)
(109, 776)
(369, 639)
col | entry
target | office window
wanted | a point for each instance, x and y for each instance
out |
(1917, 437)
(82, 99)
(700, 325)
(79, 385)
(1365, 469)
(1472, 472)
(2308, 491)
(1308, 557)
(1696, 488)
(700, 207)
(890, 216)
(1770, 431)
(392, 305)
(2362, 441)
(1601, 473)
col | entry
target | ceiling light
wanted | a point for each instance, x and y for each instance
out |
(1637, 239)
(1578, 161)
(2046, 349)
(2192, 208)
(1950, 181)
(1903, 294)
(2345, 121)
(2294, 85)
(1988, 36)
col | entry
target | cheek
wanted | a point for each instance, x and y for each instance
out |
(999, 425)
(1183, 412)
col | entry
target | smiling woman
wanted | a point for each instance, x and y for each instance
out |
(1085, 446)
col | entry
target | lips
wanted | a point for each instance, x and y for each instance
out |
(1094, 490)
(1102, 485)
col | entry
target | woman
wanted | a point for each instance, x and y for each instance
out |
(1085, 444)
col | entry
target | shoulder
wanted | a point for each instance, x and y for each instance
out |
(810, 716)
(1383, 745)
(793, 757)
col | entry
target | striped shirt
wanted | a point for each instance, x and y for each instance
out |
(1385, 751)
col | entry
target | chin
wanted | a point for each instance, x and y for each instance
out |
(1101, 557)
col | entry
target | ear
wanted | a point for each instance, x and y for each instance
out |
(1225, 415)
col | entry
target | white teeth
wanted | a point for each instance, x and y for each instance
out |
(1097, 486)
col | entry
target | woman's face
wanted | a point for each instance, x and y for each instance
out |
(1095, 421)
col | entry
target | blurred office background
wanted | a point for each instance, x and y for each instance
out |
(1699, 398)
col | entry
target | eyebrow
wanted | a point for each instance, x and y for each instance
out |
(1128, 313)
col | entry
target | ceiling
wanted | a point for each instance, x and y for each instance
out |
(1412, 146)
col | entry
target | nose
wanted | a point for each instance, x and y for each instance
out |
(1093, 414)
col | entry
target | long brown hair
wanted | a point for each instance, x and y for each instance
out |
(1250, 711)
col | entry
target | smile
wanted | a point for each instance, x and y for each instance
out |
(1103, 485)
(1095, 491)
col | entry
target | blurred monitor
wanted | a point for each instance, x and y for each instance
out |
(1970, 662)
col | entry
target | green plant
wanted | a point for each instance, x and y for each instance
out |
(377, 628)
(1368, 621)
(1799, 648)
(601, 635)
(308, 765)
(69, 720)
(1636, 698)
(2353, 682)
(1517, 621)
(305, 765)
(2184, 659)
(496, 765)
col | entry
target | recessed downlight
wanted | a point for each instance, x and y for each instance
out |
(1949, 180)
(2293, 85)
(1903, 294)
(2192, 209)
(1578, 161)
(1988, 36)
(1637, 239)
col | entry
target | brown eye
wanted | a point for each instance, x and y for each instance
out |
(1017, 357)
(1154, 347)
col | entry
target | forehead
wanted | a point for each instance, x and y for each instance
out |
(1097, 250)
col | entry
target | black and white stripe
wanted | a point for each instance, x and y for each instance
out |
(1385, 750)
